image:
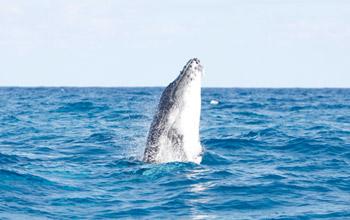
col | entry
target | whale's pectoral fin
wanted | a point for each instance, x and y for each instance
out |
(177, 143)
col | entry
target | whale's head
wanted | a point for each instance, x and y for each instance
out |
(190, 78)
(192, 71)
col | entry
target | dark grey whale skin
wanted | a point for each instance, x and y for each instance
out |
(169, 99)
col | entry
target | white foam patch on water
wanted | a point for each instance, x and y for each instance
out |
(214, 102)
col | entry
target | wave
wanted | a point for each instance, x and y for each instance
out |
(268, 153)
(82, 106)
(100, 137)
(305, 145)
(210, 158)
(8, 159)
(12, 180)
(249, 105)
(266, 134)
(230, 143)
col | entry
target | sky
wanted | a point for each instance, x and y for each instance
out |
(246, 43)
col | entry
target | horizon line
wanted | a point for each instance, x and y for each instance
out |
(205, 87)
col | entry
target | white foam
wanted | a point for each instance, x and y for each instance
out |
(214, 102)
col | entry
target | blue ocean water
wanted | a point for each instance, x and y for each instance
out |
(74, 153)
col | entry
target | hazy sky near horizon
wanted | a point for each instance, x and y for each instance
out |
(247, 43)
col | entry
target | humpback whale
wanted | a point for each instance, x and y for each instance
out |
(174, 132)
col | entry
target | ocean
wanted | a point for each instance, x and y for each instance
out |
(76, 153)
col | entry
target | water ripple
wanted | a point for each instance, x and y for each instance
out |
(76, 153)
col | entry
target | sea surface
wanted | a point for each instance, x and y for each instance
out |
(75, 153)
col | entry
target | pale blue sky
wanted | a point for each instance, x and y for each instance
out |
(247, 43)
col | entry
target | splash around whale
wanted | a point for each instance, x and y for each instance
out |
(174, 132)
